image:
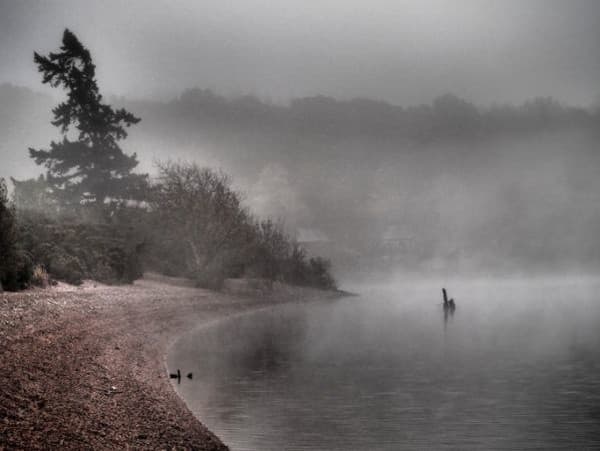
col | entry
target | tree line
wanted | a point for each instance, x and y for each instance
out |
(91, 216)
(447, 117)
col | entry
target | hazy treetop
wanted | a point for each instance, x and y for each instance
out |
(405, 52)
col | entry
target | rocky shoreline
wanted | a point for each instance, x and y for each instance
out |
(83, 367)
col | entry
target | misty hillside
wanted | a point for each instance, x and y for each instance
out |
(370, 183)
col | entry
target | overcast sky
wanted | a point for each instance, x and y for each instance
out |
(401, 51)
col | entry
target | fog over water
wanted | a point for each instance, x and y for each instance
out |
(517, 366)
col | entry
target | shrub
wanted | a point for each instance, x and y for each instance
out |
(319, 273)
(71, 250)
(15, 265)
(67, 268)
(40, 277)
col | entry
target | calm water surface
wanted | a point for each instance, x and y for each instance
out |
(516, 367)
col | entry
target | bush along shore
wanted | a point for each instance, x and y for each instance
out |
(92, 216)
(186, 227)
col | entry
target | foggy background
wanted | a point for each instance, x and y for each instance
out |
(402, 51)
(421, 136)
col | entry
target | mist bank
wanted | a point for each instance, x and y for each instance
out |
(200, 123)
(446, 186)
(376, 187)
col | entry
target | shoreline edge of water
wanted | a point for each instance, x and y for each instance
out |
(85, 367)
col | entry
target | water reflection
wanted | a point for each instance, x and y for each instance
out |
(447, 314)
(379, 373)
(268, 345)
(448, 305)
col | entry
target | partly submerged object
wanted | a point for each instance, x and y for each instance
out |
(449, 304)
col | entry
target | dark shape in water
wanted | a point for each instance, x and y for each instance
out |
(176, 376)
(190, 375)
(449, 304)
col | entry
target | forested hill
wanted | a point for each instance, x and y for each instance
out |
(448, 116)
(496, 185)
(200, 114)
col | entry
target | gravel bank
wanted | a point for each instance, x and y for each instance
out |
(83, 368)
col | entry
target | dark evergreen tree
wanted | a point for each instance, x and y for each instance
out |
(7, 237)
(86, 167)
(15, 267)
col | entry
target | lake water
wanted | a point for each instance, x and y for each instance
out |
(516, 367)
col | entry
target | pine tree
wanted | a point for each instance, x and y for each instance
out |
(10, 263)
(86, 167)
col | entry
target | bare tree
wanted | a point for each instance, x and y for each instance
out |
(197, 207)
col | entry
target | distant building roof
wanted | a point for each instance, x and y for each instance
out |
(307, 235)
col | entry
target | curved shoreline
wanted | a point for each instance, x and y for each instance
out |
(84, 368)
(215, 322)
(202, 325)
